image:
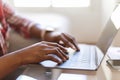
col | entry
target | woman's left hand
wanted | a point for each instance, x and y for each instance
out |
(63, 39)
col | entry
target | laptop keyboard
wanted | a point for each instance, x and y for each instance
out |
(85, 56)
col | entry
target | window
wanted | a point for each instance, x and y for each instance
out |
(70, 3)
(52, 3)
(32, 3)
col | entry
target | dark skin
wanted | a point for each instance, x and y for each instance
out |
(38, 52)
(68, 40)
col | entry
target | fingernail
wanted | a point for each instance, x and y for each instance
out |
(60, 63)
(64, 59)
(66, 52)
(67, 57)
(78, 50)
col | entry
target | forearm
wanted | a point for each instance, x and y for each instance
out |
(9, 63)
(36, 31)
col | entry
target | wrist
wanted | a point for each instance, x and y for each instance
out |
(17, 56)
(46, 31)
(38, 31)
(20, 56)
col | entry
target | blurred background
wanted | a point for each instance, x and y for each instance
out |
(83, 19)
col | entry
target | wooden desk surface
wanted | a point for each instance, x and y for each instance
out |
(103, 73)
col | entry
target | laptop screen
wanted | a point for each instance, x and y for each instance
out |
(107, 36)
(111, 29)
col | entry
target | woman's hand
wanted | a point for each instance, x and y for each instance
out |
(53, 36)
(43, 51)
(63, 39)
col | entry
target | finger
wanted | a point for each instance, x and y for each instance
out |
(55, 51)
(76, 45)
(61, 47)
(56, 45)
(53, 59)
(61, 54)
(72, 40)
(66, 42)
(64, 54)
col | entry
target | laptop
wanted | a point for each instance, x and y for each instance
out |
(90, 56)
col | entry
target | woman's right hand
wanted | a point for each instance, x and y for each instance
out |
(42, 51)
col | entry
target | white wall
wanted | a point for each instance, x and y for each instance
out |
(107, 7)
(85, 24)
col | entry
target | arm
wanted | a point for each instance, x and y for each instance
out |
(16, 22)
(8, 63)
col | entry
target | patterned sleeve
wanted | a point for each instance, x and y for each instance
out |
(18, 23)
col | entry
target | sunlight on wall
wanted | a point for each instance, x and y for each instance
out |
(32, 3)
(53, 3)
(25, 77)
(116, 17)
(70, 3)
(65, 76)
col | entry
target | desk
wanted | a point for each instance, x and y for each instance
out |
(103, 73)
